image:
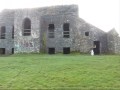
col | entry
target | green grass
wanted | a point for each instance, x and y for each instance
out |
(34, 71)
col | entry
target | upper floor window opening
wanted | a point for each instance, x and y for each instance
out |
(13, 32)
(51, 29)
(3, 32)
(66, 30)
(86, 33)
(26, 27)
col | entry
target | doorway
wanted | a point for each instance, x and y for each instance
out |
(12, 50)
(97, 47)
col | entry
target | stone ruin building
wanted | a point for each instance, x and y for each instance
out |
(56, 29)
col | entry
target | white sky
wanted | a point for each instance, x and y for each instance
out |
(104, 14)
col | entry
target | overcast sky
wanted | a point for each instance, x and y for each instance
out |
(104, 14)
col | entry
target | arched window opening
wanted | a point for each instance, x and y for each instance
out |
(27, 27)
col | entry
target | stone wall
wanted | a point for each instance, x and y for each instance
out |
(85, 43)
(59, 41)
(40, 19)
(113, 40)
(7, 20)
(27, 43)
(52, 14)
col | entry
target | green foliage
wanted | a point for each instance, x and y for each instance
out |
(44, 43)
(36, 71)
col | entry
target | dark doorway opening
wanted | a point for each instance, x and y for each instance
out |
(2, 51)
(97, 47)
(12, 50)
(66, 50)
(51, 50)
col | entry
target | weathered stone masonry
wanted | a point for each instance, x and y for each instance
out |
(52, 30)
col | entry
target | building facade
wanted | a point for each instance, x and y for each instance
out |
(51, 30)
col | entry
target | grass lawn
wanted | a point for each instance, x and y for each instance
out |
(34, 71)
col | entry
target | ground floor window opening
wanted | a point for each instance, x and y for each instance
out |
(2, 51)
(66, 50)
(51, 50)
